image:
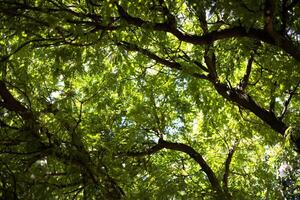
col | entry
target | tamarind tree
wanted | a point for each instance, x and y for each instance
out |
(154, 99)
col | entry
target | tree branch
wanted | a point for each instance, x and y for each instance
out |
(244, 100)
(207, 38)
(227, 166)
(150, 55)
(234, 95)
(288, 100)
(32, 126)
(210, 61)
(262, 35)
(10, 103)
(201, 66)
(244, 82)
(229, 93)
(162, 144)
(188, 59)
(24, 44)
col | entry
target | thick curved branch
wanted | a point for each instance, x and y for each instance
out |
(162, 144)
(150, 151)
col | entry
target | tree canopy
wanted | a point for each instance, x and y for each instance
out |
(154, 99)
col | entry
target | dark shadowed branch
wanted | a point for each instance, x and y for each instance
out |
(288, 100)
(10, 103)
(227, 165)
(150, 55)
(246, 77)
(246, 101)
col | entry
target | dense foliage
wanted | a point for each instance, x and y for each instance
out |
(154, 99)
